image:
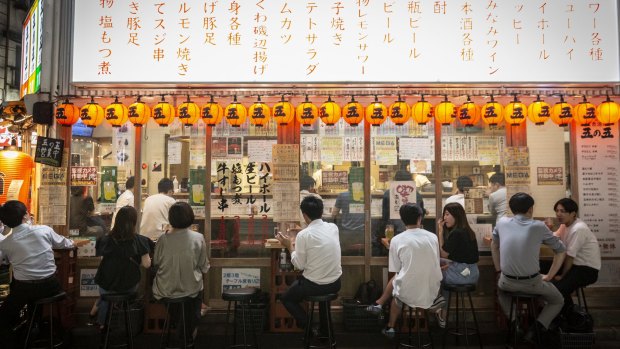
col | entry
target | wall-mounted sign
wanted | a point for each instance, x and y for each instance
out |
(49, 151)
(32, 47)
(125, 41)
(83, 175)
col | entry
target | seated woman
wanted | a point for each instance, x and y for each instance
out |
(94, 224)
(181, 260)
(460, 250)
(123, 253)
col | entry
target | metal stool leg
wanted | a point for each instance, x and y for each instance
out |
(32, 315)
(430, 337)
(51, 325)
(226, 326)
(245, 338)
(108, 321)
(165, 334)
(308, 331)
(184, 327)
(473, 313)
(447, 319)
(129, 333)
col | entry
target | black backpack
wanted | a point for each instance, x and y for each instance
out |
(576, 320)
(368, 292)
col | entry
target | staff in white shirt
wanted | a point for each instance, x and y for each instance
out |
(125, 199)
(29, 250)
(155, 212)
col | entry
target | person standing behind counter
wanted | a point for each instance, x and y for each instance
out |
(155, 211)
(497, 197)
(125, 199)
(29, 249)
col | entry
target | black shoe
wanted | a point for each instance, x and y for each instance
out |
(530, 336)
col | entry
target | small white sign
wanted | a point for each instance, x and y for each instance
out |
(88, 287)
(240, 278)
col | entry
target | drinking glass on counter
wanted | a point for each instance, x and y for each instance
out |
(389, 231)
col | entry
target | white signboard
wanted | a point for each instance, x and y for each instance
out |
(598, 167)
(240, 278)
(276, 41)
(401, 193)
(88, 287)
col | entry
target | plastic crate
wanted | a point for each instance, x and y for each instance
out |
(357, 319)
(575, 340)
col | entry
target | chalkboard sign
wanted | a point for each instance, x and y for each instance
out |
(49, 151)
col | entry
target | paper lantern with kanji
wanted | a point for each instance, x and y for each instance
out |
(468, 113)
(584, 112)
(491, 112)
(353, 112)
(422, 111)
(376, 113)
(330, 112)
(607, 112)
(92, 114)
(562, 113)
(259, 113)
(445, 112)
(116, 113)
(307, 113)
(235, 113)
(163, 113)
(283, 112)
(139, 113)
(515, 112)
(539, 111)
(67, 113)
(212, 113)
(15, 166)
(399, 112)
(188, 112)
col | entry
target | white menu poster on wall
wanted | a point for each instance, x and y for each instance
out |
(598, 167)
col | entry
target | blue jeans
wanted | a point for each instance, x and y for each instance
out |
(102, 305)
(452, 275)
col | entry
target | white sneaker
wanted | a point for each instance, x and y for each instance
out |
(389, 332)
(440, 321)
(438, 302)
(374, 309)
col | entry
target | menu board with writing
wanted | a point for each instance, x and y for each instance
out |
(260, 150)
(598, 167)
(49, 151)
(285, 161)
(335, 180)
(385, 150)
(331, 150)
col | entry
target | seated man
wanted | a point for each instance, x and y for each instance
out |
(414, 256)
(317, 252)
(516, 251)
(29, 250)
(583, 256)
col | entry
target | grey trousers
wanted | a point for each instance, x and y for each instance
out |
(554, 301)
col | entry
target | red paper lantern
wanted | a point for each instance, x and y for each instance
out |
(353, 112)
(188, 112)
(376, 113)
(212, 113)
(445, 112)
(116, 113)
(307, 113)
(468, 113)
(330, 112)
(283, 112)
(139, 113)
(515, 112)
(92, 114)
(491, 112)
(67, 114)
(562, 113)
(607, 112)
(235, 113)
(539, 111)
(422, 111)
(584, 112)
(259, 113)
(163, 113)
(399, 112)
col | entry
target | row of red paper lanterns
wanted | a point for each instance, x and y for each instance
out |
(283, 112)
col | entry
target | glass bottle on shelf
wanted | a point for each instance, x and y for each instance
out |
(283, 260)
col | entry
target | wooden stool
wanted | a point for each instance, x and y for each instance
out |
(50, 301)
(244, 296)
(123, 299)
(458, 330)
(519, 298)
(165, 334)
(324, 303)
(408, 343)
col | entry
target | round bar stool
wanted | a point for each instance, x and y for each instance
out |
(324, 308)
(165, 334)
(243, 296)
(49, 301)
(122, 299)
(413, 319)
(460, 328)
(519, 299)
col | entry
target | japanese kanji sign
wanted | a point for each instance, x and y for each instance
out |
(83, 175)
(49, 151)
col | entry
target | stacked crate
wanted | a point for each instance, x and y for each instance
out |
(279, 318)
(66, 261)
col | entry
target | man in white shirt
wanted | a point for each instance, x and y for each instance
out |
(497, 197)
(29, 250)
(414, 257)
(125, 199)
(155, 212)
(317, 252)
(462, 183)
